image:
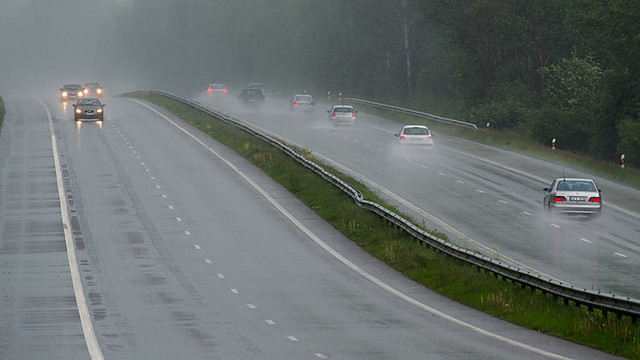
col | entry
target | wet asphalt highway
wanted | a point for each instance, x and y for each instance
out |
(186, 251)
(473, 193)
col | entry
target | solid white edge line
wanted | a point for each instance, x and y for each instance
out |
(348, 263)
(83, 310)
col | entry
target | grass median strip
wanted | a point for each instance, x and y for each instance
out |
(443, 274)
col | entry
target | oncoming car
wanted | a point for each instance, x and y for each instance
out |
(415, 134)
(574, 196)
(302, 101)
(88, 109)
(92, 90)
(71, 91)
(217, 89)
(343, 114)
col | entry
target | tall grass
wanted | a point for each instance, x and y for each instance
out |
(443, 274)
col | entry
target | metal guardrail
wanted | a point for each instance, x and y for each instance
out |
(414, 113)
(607, 303)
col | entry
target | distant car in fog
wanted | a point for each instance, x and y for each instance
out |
(250, 95)
(258, 86)
(342, 114)
(302, 101)
(71, 91)
(217, 89)
(572, 195)
(88, 109)
(92, 90)
(415, 134)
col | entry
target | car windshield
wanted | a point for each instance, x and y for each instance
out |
(575, 185)
(343, 110)
(416, 131)
(89, 102)
(216, 86)
(304, 98)
(71, 87)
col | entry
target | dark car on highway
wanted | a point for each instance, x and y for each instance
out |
(248, 95)
(88, 109)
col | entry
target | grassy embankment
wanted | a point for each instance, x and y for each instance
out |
(452, 278)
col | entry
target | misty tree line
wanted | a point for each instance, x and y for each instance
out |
(546, 68)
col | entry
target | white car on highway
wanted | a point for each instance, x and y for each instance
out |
(342, 114)
(576, 196)
(415, 134)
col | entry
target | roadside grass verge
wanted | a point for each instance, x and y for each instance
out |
(450, 277)
(513, 140)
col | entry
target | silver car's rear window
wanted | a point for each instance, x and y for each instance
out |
(416, 131)
(575, 185)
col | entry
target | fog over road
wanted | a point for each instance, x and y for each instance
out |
(476, 193)
(181, 257)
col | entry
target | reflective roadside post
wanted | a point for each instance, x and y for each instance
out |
(328, 95)
(553, 144)
(622, 161)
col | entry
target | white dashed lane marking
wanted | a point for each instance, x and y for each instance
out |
(502, 201)
(480, 191)
(220, 276)
(208, 261)
(586, 240)
(621, 255)
(197, 246)
(235, 291)
(527, 213)
(556, 226)
(292, 338)
(251, 306)
(270, 322)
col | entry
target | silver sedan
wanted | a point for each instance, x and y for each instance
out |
(571, 195)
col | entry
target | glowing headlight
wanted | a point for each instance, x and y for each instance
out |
(80, 94)
(99, 91)
(78, 111)
(65, 94)
(86, 91)
(99, 110)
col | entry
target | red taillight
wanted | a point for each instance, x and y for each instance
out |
(209, 90)
(429, 137)
(333, 114)
(402, 137)
(353, 115)
(225, 91)
(295, 104)
(559, 199)
(594, 200)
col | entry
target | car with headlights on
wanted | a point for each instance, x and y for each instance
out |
(303, 102)
(217, 89)
(92, 90)
(415, 135)
(342, 114)
(71, 92)
(88, 109)
(251, 95)
(573, 196)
